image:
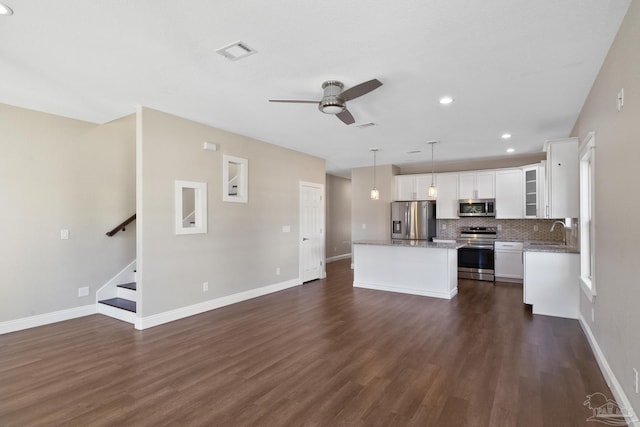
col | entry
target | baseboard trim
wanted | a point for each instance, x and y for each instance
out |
(443, 295)
(46, 318)
(191, 310)
(613, 383)
(337, 258)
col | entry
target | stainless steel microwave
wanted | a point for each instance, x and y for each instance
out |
(477, 207)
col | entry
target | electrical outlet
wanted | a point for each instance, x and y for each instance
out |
(364, 226)
(635, 380)
(593, 315)
(499, 227)
(277, 271)
(205, 286)
(443, 226)
(83, 292)
(535, 227)
(64, 234)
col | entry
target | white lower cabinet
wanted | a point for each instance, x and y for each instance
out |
(551, 283)
(509, 266)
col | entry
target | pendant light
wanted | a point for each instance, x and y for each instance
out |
(433, 191)
(375, 194)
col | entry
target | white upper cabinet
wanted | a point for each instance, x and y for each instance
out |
(477, 185)
(562, 178)
(509, 194)
(413, 187)
(447, 200)
(405, 187)
(534, 191)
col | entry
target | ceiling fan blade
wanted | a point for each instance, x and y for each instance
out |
(297, 101)
(346, 117)
(361, 89)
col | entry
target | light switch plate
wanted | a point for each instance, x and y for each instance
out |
(83, 292)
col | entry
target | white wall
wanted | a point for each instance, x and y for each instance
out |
(338, 216)
(245, 242)
(60, 173)
(617, 251)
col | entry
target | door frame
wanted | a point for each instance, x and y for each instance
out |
(321, 187)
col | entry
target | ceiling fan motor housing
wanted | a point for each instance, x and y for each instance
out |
(331, 102)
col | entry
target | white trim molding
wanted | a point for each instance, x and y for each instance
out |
(412, 291)
(191, 310)
(613, 383)
(46, 318)
(337, 258)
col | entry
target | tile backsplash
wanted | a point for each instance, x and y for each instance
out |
(512, 229)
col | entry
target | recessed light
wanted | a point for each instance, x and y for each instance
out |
(510, 150)
(446, 100)
(506, 135)
(5, 10)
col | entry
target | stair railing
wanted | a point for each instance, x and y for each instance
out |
(121, 227)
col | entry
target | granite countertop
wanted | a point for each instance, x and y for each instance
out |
(410, 243)
(541, 246)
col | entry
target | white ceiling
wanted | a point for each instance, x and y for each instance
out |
(517, 66)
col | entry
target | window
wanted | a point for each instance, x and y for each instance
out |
(587, 223)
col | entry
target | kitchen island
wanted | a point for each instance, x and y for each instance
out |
(407, 266)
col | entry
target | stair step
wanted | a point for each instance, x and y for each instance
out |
(122, 303)
(131, 286)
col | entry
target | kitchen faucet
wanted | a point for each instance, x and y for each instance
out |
(564, 227)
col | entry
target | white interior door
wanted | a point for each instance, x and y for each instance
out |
(311, 231)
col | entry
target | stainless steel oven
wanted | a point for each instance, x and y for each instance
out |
(476, 257)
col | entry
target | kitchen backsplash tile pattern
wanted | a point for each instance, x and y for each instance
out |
(511, 229)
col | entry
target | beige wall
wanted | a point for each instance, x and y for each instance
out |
(374, 215)
(338, 216)
(244, 244)
(617, 317)
(60, 173)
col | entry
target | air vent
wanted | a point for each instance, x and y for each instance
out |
(366, 125)
(235, 51)
(414, 152)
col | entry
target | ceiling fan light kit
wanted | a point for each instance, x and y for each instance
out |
(334, 99)
(331, 103)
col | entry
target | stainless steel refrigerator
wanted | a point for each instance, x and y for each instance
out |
(414, 220)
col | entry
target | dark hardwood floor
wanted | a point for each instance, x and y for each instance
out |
(322, 354)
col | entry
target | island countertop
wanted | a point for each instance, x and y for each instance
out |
(409, 243)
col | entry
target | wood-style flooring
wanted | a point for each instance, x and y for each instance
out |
(322, 354)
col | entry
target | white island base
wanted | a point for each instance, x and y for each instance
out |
(428, 269)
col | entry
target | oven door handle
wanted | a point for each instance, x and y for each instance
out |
(478, 246)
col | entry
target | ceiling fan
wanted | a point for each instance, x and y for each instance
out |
(334, 100)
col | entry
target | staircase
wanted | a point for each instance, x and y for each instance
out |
(118, 298)
(126, 299)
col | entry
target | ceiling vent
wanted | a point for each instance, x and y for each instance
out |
(235, 51)
(366, 125)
